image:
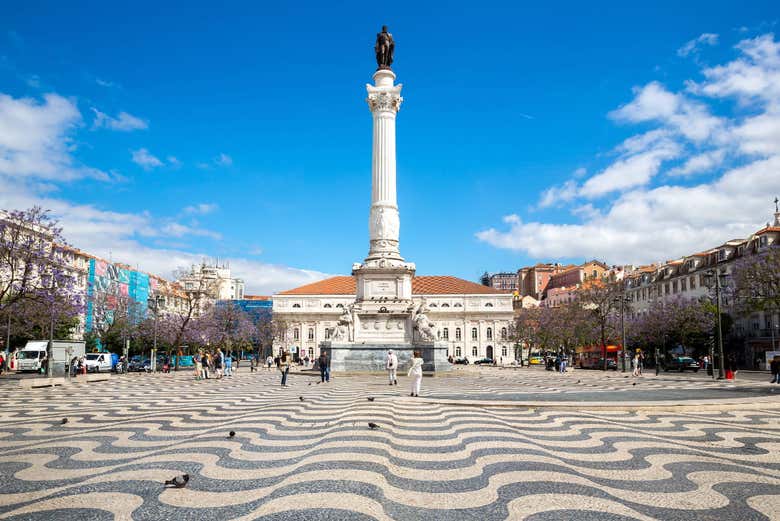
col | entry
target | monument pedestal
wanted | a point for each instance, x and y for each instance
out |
(348, 357)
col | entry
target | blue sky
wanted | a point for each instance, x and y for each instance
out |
(162, 134)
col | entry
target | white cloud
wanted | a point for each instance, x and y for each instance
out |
(654, 102)
(35, 139)
(558, 194)
(173, 161)
(123, 122)
(223, 160)
(117, 235)
(145, 160)
(630, 171)
(703, 162)
(696, 43)
(104, 83)
(653, 220)
(580, 172)
(753, 76)
(200, 209)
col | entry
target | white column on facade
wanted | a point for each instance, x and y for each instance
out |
(384, 100)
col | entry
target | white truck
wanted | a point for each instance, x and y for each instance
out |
(32, 357)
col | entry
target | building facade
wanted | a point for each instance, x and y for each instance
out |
(473, 319)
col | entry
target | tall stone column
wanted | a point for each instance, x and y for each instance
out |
(384, 100)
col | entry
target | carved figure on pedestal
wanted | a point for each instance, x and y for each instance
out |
(343, 331)
(384, 48)
(423, 325)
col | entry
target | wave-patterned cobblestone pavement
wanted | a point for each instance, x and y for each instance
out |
(317, 458)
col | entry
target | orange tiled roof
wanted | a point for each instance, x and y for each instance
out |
(423, 285)
(256, 297)
(768, 229)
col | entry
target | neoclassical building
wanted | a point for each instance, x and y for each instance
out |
(474, 320)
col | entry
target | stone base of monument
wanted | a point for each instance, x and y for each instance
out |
(348, 357)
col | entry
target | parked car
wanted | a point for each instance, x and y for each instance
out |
(484, 361)
(536, 360)
(681, 363)
(461, 361)
(137, 364)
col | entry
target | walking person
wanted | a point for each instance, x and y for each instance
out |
(392, 366)
(284, 366)
(269, 362)
(774, 366)
(635, 363)
(564, 360)
(415, 371)
(324, 363)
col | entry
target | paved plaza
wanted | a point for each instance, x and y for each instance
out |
(481, 443)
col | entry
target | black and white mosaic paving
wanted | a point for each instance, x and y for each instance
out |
(316, 458)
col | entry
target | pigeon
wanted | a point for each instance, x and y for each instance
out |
(372, 426)
(300, 398)
(309, 383)
(625, 376)
(178, 481)
(231, 434)
(633, 383)
(370, 398)
(578, 381)
(64, 421)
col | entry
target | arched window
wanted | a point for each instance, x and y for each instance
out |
(489, 333)
(433, 305)
(503, 333)
(296, 334)
(458, 305)
(488, 305)
(445, 305)
(296, 305)
(327, 306)
(457, 351)
(474, 333)
(474, 351)
(457, 333)
(446, 333)
(339, 305)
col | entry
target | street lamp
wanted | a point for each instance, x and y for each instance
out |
(623, 300)
(154, 304)
(717, 275)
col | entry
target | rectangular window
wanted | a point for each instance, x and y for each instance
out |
(446, 333)
(762, 241)
(692, 281)
(666, 288)
(474, 351)
(683, 285)
(327, 333)
(721, 255)
(457, 333)
(457, 351)
(674, 287)
(474, 334)
(702, 281)
(311, 333)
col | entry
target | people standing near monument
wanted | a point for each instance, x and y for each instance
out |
(392, 366)
(324, 363)
(415, 371)
(229, 363)
(285, 360)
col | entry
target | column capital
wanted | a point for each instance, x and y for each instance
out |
(384, 99)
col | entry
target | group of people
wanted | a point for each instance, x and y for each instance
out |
(215, 363)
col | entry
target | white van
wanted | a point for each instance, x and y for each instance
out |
(98, 362)
(34, 353)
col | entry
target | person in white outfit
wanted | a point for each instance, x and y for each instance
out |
(415, 371)
(392, 366)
